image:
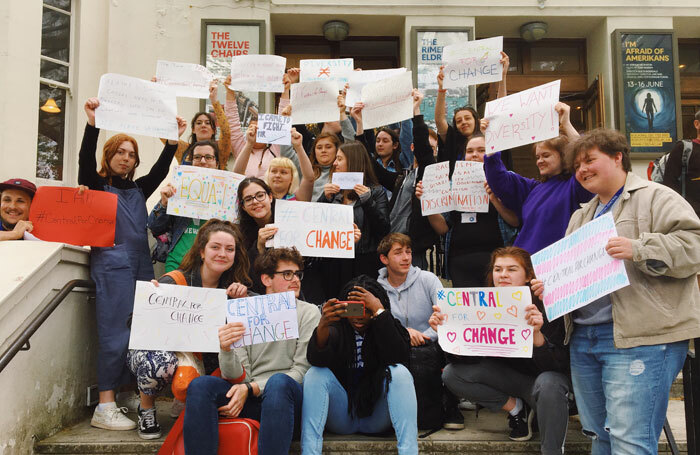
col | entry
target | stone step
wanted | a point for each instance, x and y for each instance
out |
(486, 435)
(677, 387)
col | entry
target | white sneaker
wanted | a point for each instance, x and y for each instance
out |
(176, 408)
(112, 419)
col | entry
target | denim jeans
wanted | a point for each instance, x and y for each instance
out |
(278, 409)
(329, 409)
(622, 394)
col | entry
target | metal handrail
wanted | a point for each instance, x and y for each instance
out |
(23, 338)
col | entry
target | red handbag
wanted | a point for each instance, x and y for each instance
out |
(236, 437)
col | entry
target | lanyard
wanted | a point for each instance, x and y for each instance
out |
(610, 203)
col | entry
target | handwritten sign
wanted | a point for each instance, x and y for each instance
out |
(315, 229)
(473, 62)
(337, 70)
(258, 73)
(522, 118)
(348, 180)
(387, 101)
(134, 106)
(465, 193)
(205, 193)
(269, 317)
(60, 214)
(274, 129)
(485, 321)
(177, 318)
(359, 79)
(189, 80)
(314, 102)
(576, 270)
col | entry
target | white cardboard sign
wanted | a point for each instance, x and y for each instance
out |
(387, 101)
(473, 62)
(274, 129)
(464, 193)
(258, 73)
(267, 318)
(314, 102)
(205, 193)
(189, 80)
(359, 79)
(348, 180)
(325, 69)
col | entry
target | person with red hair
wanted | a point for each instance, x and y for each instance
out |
(115, 269)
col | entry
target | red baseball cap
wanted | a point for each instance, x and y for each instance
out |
(19, 184)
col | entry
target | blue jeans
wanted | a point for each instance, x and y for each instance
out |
(329, 409)
(278, 409)
(622, 394)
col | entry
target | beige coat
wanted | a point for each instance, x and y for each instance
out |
(662, 303)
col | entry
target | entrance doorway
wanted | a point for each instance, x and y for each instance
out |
(368, 52)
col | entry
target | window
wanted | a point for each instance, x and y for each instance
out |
(689, 57)
(54, 87)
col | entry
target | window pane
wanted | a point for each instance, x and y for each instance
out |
(63, 4)
(560, 59)
(54, 71)
(689, 58)
(49, 162)
(55, 35)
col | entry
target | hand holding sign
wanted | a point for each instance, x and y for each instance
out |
(229, 334)
(274, 129)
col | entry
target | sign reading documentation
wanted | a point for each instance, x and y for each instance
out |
(465, 192)
(576, 270)
(169, 317)
(485, 321)
(315, 229)
(648, 90)
(204, 193)
(268, 317)
(60, 214)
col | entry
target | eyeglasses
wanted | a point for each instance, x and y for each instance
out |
(259, 196)
(203, 157)
(289, 275)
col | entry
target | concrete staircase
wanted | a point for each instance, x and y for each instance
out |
(486, 435)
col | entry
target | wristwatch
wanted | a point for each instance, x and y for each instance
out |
(250, 389)
(378, 312)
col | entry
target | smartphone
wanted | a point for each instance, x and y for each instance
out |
(353, 309)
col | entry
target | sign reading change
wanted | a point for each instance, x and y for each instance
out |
(485, 321)
(169, 317)
(268, 317)
(205, 193)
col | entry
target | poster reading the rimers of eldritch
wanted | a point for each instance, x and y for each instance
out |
(649, 92)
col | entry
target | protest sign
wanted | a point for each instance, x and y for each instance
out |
(315, 229)
(337, 70)
(359, 79)
(576, 270)
(314, 102)
(189, 80)
(348, 180)
(60, 214)
(522, 118)
(134, 106)
(485, 321)
(204, 193)
(258, 73)
(274, 129)
(268, 317)
(473, 62)
(464, 193)
(177, 318)
(387, 101)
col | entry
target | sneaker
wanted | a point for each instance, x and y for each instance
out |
(466, 405)
(112, 419)
(129, 400)
(521, 424)
(176, 408)
(148, 424)
(454, 420)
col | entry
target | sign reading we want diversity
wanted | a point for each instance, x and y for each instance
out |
(485, 321)
(204, 193)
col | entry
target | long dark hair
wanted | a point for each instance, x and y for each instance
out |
(396, 153)
(238, 273)
(248, 224)
(462, 140)
(212, 121)
(358, 161)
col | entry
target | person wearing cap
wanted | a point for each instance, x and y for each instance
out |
(15, 199)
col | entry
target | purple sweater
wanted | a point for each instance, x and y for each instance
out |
(543, 208)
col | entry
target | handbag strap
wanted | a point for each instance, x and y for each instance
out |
(178, 276)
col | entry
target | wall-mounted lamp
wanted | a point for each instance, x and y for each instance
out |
(50, 106)
(336, 30)
(533, 31)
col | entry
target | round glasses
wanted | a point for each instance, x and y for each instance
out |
(289, 275)
(259, 196)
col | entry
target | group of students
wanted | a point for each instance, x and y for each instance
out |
(617, 355)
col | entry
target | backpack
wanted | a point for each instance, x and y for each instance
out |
(159, 252)
(425, 364)
(657, 168)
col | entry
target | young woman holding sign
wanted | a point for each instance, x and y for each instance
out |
(217, 259)
(519, 386)
(471, 237)
(116, 269)
(628, 346)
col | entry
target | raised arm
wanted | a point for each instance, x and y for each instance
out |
(306, 186)
(242, 160)
(222, 123)
(502, 89)
(149, 182)
(234, 121)
(441, 107)
(87, 162)
(565, 125)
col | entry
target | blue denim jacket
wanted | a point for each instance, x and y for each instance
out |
(160, 222)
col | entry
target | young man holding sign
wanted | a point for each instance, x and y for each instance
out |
(268, 375)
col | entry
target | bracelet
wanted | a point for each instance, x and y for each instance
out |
(442, 90)
(250, 389)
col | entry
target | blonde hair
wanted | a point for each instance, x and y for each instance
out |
(283, 161)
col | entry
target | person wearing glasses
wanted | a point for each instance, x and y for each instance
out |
(267, 376)
(178, 232)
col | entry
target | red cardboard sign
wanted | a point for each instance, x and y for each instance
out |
(60, 214)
